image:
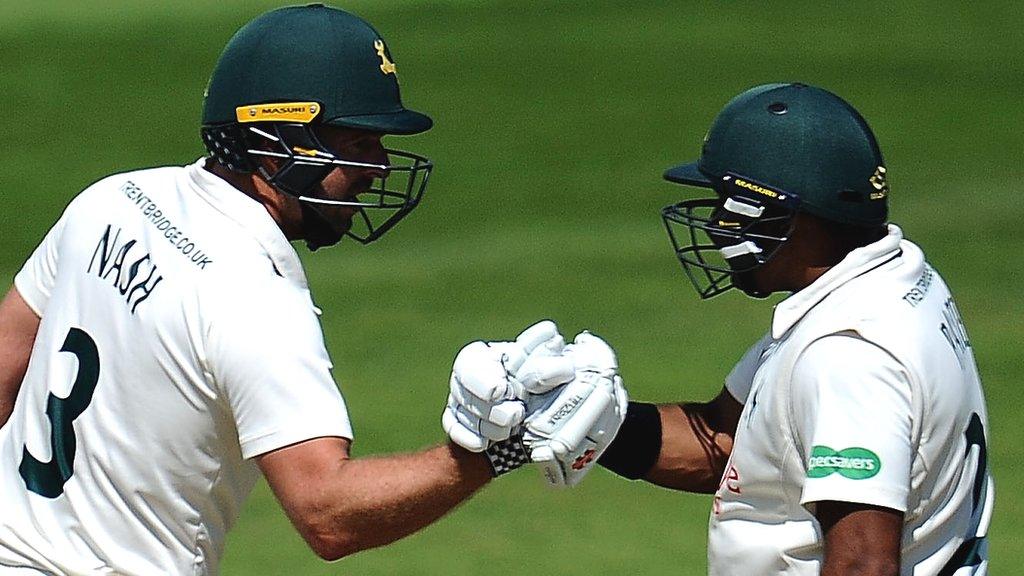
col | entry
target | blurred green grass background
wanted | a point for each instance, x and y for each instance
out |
(554, 121)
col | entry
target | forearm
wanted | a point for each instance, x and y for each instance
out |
(389, 497)
(860, 565)
(680, 446)
(362, 503)
(694, 449)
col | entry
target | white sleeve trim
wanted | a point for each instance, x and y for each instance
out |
(28, 291)
(875, 496)
(279, 439)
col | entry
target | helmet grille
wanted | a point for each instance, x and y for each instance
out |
(226, 144)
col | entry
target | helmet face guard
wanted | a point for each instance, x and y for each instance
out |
(389, 199)
(303, 161)
(716, 239)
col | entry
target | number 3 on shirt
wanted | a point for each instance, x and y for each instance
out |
(48, 478)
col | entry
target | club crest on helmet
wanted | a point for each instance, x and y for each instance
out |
(386, 65)
(879, 183)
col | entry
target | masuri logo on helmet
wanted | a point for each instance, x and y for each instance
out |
(301, 112)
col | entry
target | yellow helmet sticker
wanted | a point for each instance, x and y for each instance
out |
(760, 189)
(302, 112)
(305, 151)
(386, 66)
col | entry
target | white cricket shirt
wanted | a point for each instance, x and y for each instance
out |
(178, 340)
(865, 390)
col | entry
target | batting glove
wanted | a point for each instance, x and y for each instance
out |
(491, 380)
(569, 428)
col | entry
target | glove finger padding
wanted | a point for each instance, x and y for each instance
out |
(535, 362)
(515, 353)
(489, 381)
(496, 371)
(591, 353)
(478, 369)
(502, 413)
(460, 433)
(568, 435)
(473, 433)
(484, 370)
(543, 332)
(502, 418)
(545, 369)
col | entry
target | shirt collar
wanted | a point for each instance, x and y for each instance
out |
(251, 216)
(792, 309)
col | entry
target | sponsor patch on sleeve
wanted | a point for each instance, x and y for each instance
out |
(853, 463)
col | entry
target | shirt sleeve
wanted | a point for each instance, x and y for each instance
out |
(741, 378)
(268, 358)
(852, 413)
(37, 277)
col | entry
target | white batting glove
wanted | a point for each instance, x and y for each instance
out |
(569, 428)
(592, 354)
(490, 380)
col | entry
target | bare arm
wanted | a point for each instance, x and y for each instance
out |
(18, 327)
(696, 440)
(860, 540)
(341, 505)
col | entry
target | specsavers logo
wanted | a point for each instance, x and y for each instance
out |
(853, 463)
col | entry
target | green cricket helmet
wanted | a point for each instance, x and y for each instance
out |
(773, 151)
(292, 70)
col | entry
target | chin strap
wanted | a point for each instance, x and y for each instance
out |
(317, 229)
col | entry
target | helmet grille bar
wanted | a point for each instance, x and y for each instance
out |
(304, 162)
(719, 243)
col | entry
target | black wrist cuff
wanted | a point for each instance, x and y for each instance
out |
(506, 456)
(636, 447)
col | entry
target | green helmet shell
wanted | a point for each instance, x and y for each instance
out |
(800, 139)
(306, 54)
